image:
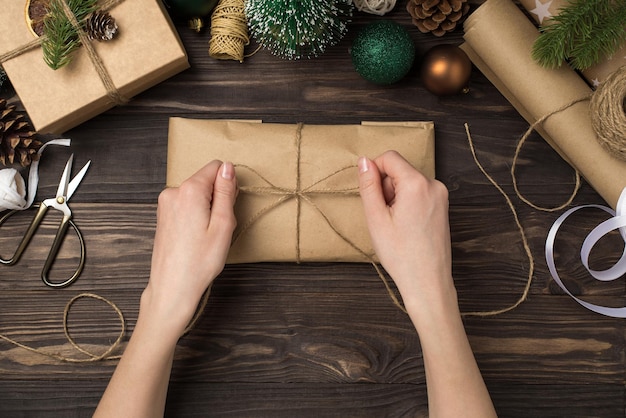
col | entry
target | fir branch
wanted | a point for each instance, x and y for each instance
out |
(584, 31)
(61, 38)
(604, 39)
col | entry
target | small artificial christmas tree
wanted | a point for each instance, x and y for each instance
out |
(295, 29)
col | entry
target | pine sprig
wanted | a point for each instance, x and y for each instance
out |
(61, 38)
(604, 39)
(583, 32)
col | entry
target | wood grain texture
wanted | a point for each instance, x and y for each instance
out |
(284, 340)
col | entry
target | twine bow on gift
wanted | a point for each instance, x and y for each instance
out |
(304, 194)
(105, 77)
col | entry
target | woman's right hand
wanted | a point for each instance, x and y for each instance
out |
(407, 217)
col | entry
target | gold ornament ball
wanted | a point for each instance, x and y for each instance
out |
(446, 70)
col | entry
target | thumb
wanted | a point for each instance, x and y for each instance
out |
(224, 195)
(371, 190)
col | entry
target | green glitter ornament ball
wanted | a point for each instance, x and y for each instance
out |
(383, 52)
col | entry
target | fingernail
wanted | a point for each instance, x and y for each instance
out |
(363, 165)
(228, 171)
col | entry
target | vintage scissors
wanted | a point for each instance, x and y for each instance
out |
(64, 193)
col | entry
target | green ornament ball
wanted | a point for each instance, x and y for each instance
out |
(383, 52)
(191, 8)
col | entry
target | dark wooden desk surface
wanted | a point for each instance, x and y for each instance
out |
(284, 340)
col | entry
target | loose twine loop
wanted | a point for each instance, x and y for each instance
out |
(112, 91)
(91, 357)
(607, 111)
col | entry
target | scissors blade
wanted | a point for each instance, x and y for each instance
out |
(76, 180)
(65, 178)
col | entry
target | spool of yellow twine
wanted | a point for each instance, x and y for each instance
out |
(229, 31)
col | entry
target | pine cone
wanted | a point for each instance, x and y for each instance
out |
(100, 26)
(17, 142)
(437, 16)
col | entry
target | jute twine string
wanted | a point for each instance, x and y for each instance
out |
(305, 194)
(104, 75)
(607, 110)
(531, 260)
(609, 104)
(229, 31)
(518, 149)
(91, 357)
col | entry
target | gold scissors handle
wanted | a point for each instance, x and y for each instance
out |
(54, 250)
(27, 236)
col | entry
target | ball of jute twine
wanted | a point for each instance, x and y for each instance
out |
(608, 113)
(229, 31)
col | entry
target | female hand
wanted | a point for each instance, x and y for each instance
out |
(407, 217)
(195, 223)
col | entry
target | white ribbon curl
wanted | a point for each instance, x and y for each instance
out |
(12, 187)
(618, 221)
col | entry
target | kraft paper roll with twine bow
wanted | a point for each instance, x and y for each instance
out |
(499, 39)
(590, 136)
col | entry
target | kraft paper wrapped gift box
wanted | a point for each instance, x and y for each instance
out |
(298, 198)
(145, 52)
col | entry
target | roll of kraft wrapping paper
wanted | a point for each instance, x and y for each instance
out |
(499, 39)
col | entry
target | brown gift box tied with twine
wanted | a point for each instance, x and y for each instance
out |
(145, 52)
(298, 184)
